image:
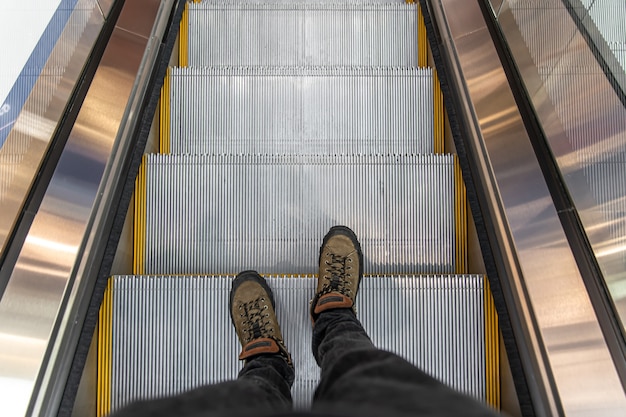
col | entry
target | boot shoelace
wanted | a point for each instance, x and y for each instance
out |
(256, 321)
(337, 269)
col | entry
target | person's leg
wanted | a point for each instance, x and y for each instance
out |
(359, 379)
(356, 377)
(264, 383)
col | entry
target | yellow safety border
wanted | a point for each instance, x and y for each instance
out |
(460, 210)
(164, 115)
(183, 37)
(139, 231)
(422, 61)
(422, 39)
(492, 349)
(103, 400)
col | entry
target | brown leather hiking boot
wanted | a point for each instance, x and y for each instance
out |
(252, 313)
(341, 269)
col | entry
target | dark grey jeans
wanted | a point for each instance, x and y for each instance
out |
(357, 379)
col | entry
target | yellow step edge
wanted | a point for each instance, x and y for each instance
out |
(460, 210)
(422, 61)
(103, 400)
(164, 115)
(139, 235)
(136, 222)
(492, 350)
(422, 40)
(183, 37)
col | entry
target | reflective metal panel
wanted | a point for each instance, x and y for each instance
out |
(106, 6)
(604, 22)
(585, 124)
(37, 286)
(40, 312)
(33, 129)
(566, 352)
(133, 19)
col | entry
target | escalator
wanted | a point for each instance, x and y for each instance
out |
(271, 122)
(284, 120)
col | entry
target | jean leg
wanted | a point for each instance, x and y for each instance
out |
(263, 384)
(359, 379)
(335, 333)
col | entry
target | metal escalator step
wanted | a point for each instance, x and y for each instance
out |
(302, 33)
(202, 213)
(325, 110)
(309, 2)
(161, 335)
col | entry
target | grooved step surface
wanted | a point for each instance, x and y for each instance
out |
(300, 110)
(172, 333)
(302, 33)
(227, 213)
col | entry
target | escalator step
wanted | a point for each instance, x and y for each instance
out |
(164, 334)
(203, 213)
(310, 2)
(280, 110)
(302, 33)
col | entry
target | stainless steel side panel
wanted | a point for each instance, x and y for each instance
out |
(584, 121)
(31, 133)
(42, 309)
(105, 7)
(565, 352)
